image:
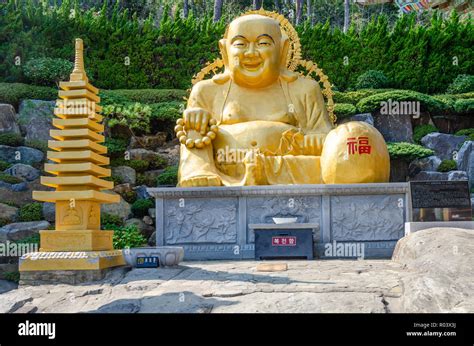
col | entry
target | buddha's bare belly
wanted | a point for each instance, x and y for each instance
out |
(264, 135)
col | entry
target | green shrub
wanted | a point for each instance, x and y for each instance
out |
(33, 239)
(447, 165)
(115, 178)
(147, 180)
(353, 97)
(115, 147)
(47, 71)
(344, 110)
(466, 132)
(130, 196)
(374, 102)
(372, 79)
(11, 139)
(31, 212)
(37, 144)
(168, 177)
(464, 106)
(407, 151)
(464, 96)
(140, 207)
(4, 165)
(139, 166)
(110, 219)
(135, 116)
(167, 111)
(150, 95)
(14, 93)
(463, 83)
(12, 276)
(158, 162)
(421, 131)
(9, 179)
(4, 221)
(126, 237)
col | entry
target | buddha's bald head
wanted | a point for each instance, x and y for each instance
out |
(253, 48)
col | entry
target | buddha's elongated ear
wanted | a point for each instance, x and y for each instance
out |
(223, 49)
(285, 46)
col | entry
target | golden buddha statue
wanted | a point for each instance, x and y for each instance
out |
(261, 123)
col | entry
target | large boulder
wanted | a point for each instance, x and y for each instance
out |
(8, 212)
(8, 120)
(365, 117)
(465, 160)
(457, 175)
(35, 117)
(22, 171)
(49, 212)
(430, 164)
(424, 175)
(148, 142)
(443, 145)
(127, 174)
(20, 230)
(143, 228)
(20, 187)
(170, 153)
(121, 209)
(441, 261)
(394, 128)
(24, 155)
(143, 154)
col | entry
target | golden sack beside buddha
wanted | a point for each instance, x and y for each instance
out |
(259, 123)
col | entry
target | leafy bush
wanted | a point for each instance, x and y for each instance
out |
(463, 83)
(464, 106)
(156, 96)
(158, 162)
(353, 97)
(110, 219)
(135, 116)
(140, 207)
(12, 276)
(168, 177)
(115, 178)
(167, 111)
(13, 93)
(9, 179)
(11, 139)
(421, 131)
(115, 146)
(130, 196)
(126, 237)
(139, 166)
(37, 144)
(31, 212)
(372, 79)
(4, 165)
(447, 165)
(373, 102)
(466, 132)
(407, 151)
(344, 110)
(147, 180)
(47, 71)
(34, 239)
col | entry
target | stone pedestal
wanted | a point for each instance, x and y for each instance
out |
(213, 222)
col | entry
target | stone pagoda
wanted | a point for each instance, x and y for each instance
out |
(77, 244)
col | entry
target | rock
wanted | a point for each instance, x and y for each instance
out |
(430, 163)
(121, 209)
(153, 174)
(127, 174)
(457, 175)
(443, 259)
(148, 220)
(365, 117)
(152, 239)
(8, 120)
(394, 128)
(123, 188)
(465, 160)
(22, 171)
(8, 212)
(23, 186)
(398, 170)
(20, 230)
(152, 212)
(122, 306)
(6, 286)
(148, 142)
(141, 192)
(444, 145)
(49, 212)
(171, 154)
(24, 155)
(35, 116)
(430, 176)
(145, 230)
(143, 154)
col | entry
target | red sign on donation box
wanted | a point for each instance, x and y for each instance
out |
(283, 241)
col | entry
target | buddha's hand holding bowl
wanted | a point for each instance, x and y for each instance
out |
(200, 121)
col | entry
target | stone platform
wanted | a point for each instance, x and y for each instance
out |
(213, 222)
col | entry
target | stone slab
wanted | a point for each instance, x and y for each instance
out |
(412, 227)
(213, 223)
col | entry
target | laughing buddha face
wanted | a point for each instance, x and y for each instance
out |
(253, 51)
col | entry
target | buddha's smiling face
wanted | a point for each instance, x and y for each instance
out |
(253, 47)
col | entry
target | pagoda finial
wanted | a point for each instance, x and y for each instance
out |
(79, 73)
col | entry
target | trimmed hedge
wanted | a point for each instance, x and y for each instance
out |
(344, 110)
(407, 151)
(13, 93)
(447, 165)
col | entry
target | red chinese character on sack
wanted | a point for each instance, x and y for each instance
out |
(358, 145)
(364, 147)
(351, 145)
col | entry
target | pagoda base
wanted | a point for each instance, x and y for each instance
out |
(77, 240)
(67, 267)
